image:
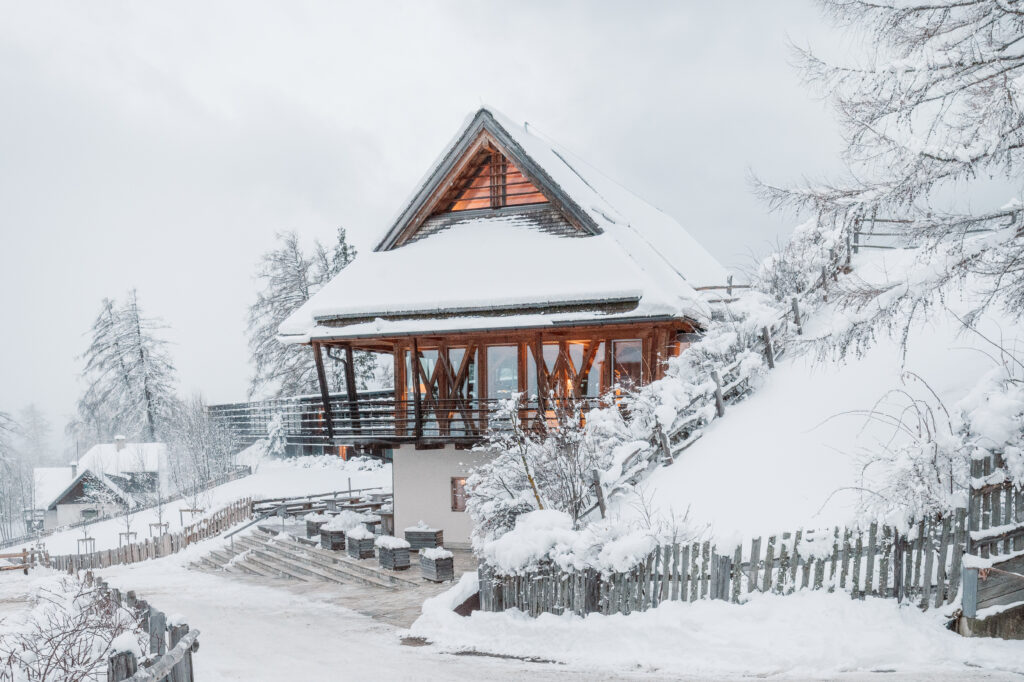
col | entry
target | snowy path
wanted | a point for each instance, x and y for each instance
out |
(262, 633)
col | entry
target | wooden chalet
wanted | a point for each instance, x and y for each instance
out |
(515, 268)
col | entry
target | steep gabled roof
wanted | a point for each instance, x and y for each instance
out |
(552, 263)
(482, 130)
(52, 498)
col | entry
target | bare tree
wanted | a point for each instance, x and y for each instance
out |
(936, 108)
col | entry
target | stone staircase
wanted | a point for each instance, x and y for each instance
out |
(281, 556)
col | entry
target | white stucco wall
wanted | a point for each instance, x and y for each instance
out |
(422, 485)
(72, 513)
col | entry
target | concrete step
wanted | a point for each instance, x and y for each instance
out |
(272, 567)
(313, 567)
(340, 561)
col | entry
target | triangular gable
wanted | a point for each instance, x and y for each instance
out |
(484, 169)
(98, 479)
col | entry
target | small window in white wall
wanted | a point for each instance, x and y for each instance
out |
(459, 494)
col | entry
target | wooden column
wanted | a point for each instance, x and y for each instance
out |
(350, 384)
(481, 386)
(417, 374)
(325, 394)
(401, 390)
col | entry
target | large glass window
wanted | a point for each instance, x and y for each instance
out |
(502, 372)
(591, 384)
(627, 362)
(468, 388)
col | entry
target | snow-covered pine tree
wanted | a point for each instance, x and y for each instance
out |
(277, 443)
(288, 279)
(129, 372)
(935, 109)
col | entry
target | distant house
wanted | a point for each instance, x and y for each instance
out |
(100, 483)
(516, 268)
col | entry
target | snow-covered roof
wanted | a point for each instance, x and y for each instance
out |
(53, 483)
(503, 268)
(105, 458)
(49, 483)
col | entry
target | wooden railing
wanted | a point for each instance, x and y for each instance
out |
(27, 558)
(379, 418)
(168, 655)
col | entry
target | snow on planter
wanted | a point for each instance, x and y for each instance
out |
(359, 543)
(392, 552)
(314, 521)
(422, 536)
(332, 533)
(437, 564)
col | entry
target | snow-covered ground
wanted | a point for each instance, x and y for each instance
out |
(790, 456)
(263, 632)
(806, 635)
(271, 478)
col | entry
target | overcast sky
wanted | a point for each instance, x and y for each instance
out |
(161, 145)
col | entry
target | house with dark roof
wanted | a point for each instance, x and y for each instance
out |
(514, 268)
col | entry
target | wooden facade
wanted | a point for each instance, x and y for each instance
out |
(448, 385)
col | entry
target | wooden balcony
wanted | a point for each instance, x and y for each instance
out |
(378, 419)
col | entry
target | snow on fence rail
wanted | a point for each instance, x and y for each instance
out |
(168, 656)
(167, 544)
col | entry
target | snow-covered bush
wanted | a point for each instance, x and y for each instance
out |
(547, 468)
(68, 635)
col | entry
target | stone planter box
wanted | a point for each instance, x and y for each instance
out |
(313, 528)
(359, 547)
(393, 559)
(332, 539)
(424, 538)
(438, 570)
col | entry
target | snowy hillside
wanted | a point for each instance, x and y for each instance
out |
(271, 478)
(792, 454)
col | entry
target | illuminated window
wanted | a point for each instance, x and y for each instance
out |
(502, 372)
(493, 183)
(627, 362)
(459, 494)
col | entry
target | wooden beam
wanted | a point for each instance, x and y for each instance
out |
(401, 389)
(417, 373)
(350, 384)
(325, 393)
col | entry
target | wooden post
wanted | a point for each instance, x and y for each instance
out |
(417, 374)
(121, 666)
(796, 316)
(970, 596)
(769, 348)
(350, 384)
(325, 396)
(182, 671)
(719, 398)
(598, 491)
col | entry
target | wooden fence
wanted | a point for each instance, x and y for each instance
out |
(996, 538)
(168, 656)
(28, 558)
(169, 543)
(236, 473)
(922, 566)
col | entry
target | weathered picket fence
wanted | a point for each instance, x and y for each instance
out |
(994, 578)
(922, 566)
(166, 544)
(168, 656)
